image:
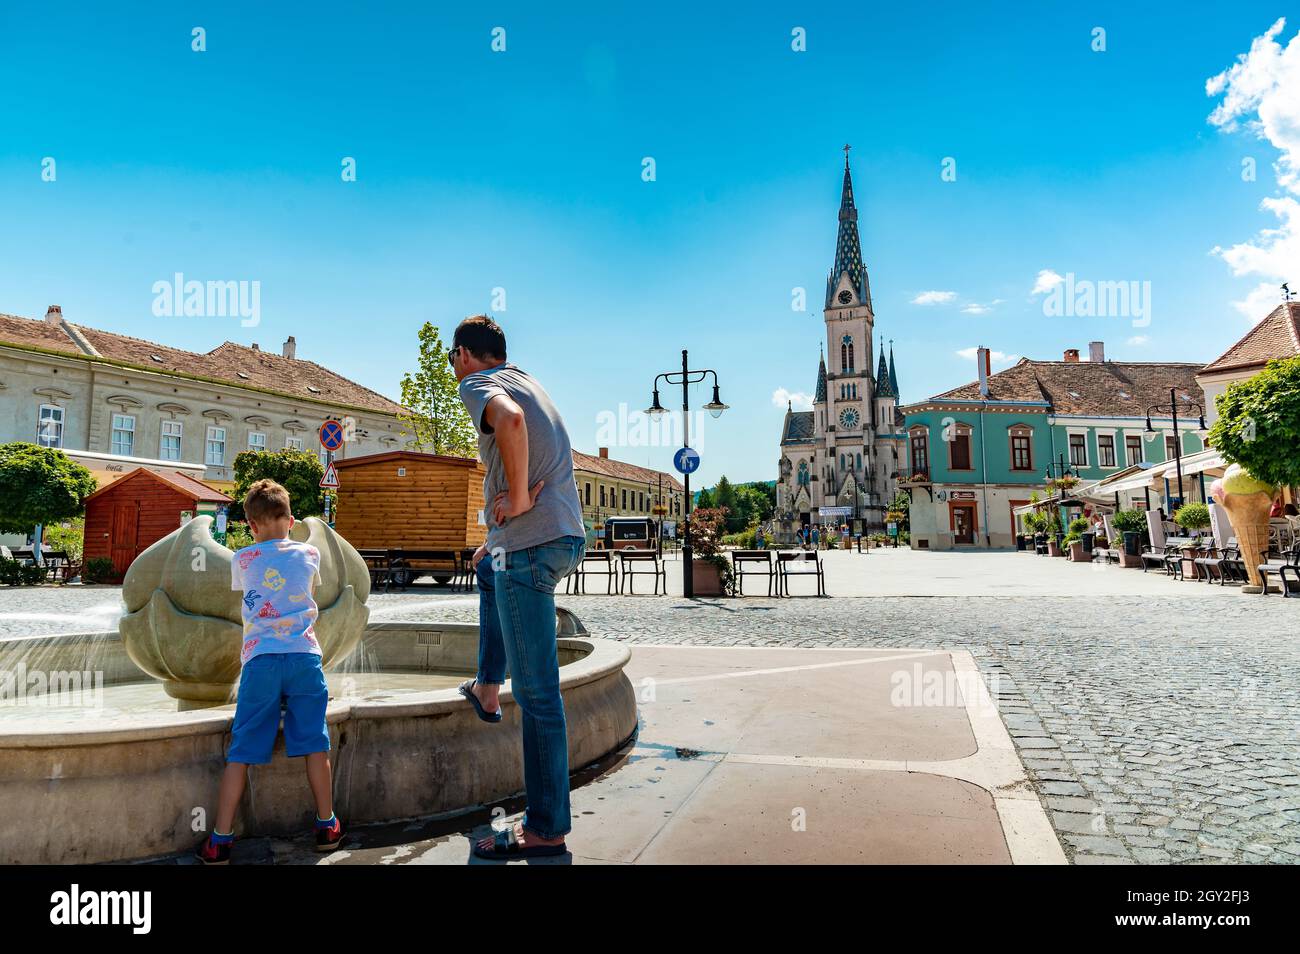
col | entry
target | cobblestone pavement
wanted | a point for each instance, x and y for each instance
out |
(1156, 728)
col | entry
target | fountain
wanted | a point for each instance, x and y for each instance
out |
(112, 744)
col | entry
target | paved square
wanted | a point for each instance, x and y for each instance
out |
(1158, 720)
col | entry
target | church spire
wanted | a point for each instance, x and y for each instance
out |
(884, 379)
(820, 397)
(848, 249)
(893, 374)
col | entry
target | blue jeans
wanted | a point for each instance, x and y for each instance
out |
(516, 613)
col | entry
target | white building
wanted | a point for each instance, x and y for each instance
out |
(115, 403)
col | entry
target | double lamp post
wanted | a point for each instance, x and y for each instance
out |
(686, 377)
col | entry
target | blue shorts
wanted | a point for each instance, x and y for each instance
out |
(268, 680)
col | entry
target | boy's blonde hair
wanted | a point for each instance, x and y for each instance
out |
(266, 500)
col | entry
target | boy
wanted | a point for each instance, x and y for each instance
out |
(281, 666)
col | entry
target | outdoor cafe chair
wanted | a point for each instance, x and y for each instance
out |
(743, 558)
(576, 582)
(1289, 565)
(629, 559)
(793, 563)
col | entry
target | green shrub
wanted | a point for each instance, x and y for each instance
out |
(1078, 527)
(237, 535)
(1193, 516)
(1129, 521)
(97, 570)
(14, 573)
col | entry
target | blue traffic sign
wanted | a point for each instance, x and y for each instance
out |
(331, 435)
(686, 460)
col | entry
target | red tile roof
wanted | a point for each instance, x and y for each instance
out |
(232, 364)
(1106, 388)
(1276, 336)
(618, 469)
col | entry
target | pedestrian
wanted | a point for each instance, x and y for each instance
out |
(534, 540)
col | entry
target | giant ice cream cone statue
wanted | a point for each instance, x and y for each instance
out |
(1248, 502)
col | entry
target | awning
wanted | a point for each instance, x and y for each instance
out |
(1138, 480)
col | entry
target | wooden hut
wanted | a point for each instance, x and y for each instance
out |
(411, 501)
(138, 510)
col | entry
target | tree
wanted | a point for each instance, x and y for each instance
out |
(725, 498)
(703, 500)
(1259, 424)
(435, 417)
(902, 504)
(40, 485)
(299, 472)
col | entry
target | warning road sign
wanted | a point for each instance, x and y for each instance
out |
(331, 479)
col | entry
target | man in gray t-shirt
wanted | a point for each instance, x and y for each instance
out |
(555, 512)
(535, 539)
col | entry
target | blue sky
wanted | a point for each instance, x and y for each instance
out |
(522, 170)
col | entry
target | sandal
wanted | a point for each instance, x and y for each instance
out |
(466, 689)
(505, 845)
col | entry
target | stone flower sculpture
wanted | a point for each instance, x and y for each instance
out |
(1248, 502)
(183, 623)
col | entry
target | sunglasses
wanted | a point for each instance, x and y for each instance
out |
(451, 355)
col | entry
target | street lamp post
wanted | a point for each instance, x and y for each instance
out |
(1172, 409)
(1059, 468)
(715, 407)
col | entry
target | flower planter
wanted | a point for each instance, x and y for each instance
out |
(705, 578)
(1053, 550)
(1129, 560)
(1078, 554)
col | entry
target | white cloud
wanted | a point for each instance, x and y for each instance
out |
(1262, 92)
(796, 399)
(996, 357)
(934, 298)
(1046, 281)
(1139, 340)
(975, 308)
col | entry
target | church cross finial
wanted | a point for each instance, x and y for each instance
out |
(847, 147)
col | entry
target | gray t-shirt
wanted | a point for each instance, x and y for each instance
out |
(557, 513)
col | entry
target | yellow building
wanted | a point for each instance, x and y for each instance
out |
(613, 488)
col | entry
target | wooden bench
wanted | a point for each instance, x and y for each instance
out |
(789, 563)
(742, 558)
(629, 560)
(576, 582)
(407, 566)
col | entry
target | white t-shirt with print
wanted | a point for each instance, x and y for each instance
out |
(276, 578)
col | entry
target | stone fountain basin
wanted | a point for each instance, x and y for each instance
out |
(113, 785)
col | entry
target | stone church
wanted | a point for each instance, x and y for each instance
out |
(839, 462)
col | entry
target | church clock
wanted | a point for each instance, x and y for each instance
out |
(845, 297)
(849, 418)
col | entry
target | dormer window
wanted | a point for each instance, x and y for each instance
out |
(313, 390)
(154, 357)
(241, 374)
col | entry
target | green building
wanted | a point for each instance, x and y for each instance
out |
(975, 453)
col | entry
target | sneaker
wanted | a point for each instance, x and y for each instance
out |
(213, 854)
(327, 839)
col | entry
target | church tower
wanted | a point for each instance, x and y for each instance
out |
(848, 426)
(842, 453)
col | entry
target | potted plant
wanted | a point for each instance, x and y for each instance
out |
(1130, 524)
(1074, 540)
(710, 571)
(1194, 518)
(1257, 431)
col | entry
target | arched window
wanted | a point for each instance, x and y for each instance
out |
(859, 462)
(803, 473)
